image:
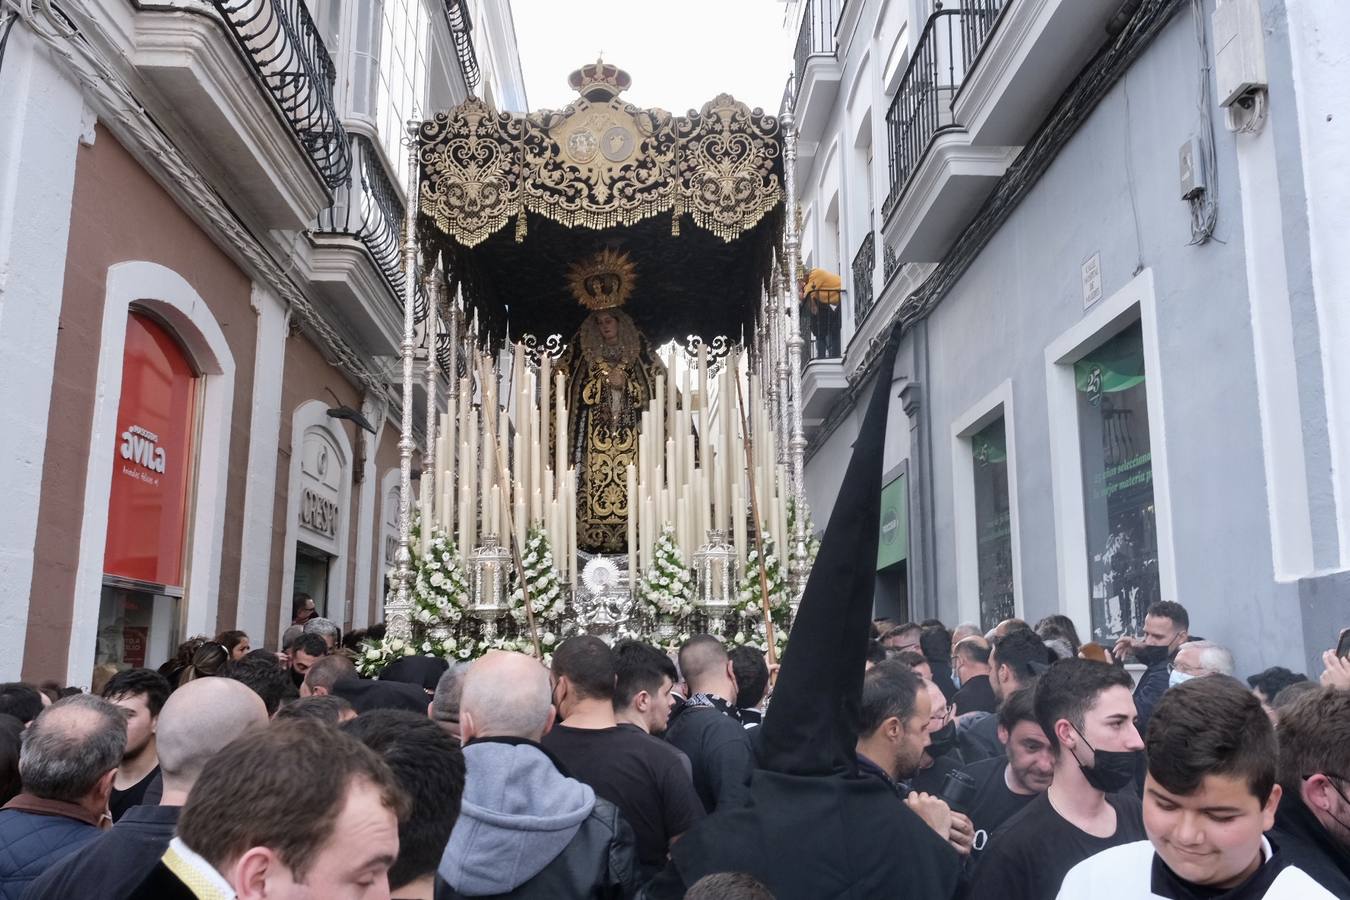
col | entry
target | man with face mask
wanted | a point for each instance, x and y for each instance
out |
(1312, 823)
(1166, 628)
(1087, 714)
(941, 755)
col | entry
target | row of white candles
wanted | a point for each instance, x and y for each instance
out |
(533, 489)
(694, 485)
(691, 471)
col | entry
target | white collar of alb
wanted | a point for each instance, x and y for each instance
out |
(204, 874)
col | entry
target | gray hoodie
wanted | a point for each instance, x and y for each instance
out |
(519, 812)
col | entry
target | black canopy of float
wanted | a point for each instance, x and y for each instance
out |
(689, 284)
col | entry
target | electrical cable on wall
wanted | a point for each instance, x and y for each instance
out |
(1204, 204)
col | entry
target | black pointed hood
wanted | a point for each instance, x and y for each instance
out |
(811, 726)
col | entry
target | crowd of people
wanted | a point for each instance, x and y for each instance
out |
(1014, 764)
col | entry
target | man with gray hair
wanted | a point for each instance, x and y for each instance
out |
(326, 629)
(525, 829)
(1196, 659)
(197, 720)
(444, 706)
(66, 765)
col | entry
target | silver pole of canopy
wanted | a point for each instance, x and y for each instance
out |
(398, 609)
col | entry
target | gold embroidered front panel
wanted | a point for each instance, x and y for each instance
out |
(599, 163)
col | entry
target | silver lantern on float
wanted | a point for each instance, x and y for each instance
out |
(490, 567)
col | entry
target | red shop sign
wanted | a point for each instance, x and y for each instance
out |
(152, 457)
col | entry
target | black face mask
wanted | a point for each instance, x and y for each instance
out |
(1152, 655)
(1111, 770)
(942, 741)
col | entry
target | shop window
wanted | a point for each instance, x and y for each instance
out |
(993, 524)
(153, 464)
(1119, 512)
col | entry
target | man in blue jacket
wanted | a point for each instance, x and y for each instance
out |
(69, 757)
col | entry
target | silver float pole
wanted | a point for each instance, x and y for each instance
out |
(397, 612)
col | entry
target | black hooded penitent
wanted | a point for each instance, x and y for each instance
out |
(814, 828)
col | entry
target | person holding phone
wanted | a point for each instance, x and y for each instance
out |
(1337, 664)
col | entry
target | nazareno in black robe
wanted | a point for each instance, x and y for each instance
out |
(814, 828)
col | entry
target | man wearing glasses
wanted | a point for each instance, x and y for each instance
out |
(1312, 823)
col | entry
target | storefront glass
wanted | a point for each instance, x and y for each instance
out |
(1122, 545)
(153, 466)
(993, 524)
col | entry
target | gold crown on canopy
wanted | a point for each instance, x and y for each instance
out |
(604, 281)
(599, 77)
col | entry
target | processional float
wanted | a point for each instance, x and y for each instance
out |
(602, 305)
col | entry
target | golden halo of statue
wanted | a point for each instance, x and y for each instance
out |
(604, 281)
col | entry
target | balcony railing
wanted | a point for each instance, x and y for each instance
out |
(820, 324)
(864, 265)
(816, 37)
(948, 47)
(978, 18)
(368, 208)
(284, 48)
(461, 30)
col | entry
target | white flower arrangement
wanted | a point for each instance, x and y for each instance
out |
(440, 589)
(548, 600)
(667, 587)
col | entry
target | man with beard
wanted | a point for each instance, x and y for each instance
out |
(1087, 714)
(1166, 628)
(896, 737)
(1005, 786)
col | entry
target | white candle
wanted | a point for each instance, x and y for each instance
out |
(544, 518)
(738, 528)
(538, 451)
(545, 422)
(561, 439)
(570, 513)
(466, 535)
(631, 482)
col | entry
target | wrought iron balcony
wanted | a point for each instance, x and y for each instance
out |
(820, 324)
(461, 30)
(922, 104)
(816, 36)
(284, 48)
(948, 48)
(367, 207)
(978, 18)
(864, 265)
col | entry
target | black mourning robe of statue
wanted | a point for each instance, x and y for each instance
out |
(814, 828)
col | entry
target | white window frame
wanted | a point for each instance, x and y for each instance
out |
(1135, 302)
(151, 286)
(997, 403)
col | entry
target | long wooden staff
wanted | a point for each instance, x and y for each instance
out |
(759, 531)
(483, 375)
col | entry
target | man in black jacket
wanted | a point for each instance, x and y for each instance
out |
(197, 720)
(707, 729)
(525, 829)
(1312, 824)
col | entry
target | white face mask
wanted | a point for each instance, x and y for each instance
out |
(1177, 677)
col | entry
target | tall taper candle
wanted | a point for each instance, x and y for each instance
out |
(632, 519)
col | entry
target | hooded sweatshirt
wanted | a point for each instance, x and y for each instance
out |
(519, 812)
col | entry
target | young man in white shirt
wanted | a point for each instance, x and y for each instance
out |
(1209, 796)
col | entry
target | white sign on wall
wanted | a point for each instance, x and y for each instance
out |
(1092, 279)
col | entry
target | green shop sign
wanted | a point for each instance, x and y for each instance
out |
(893, 545)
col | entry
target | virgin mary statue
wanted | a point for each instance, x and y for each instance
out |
(611, 378)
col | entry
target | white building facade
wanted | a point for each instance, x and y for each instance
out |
(1104, 232)
(200, 308)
